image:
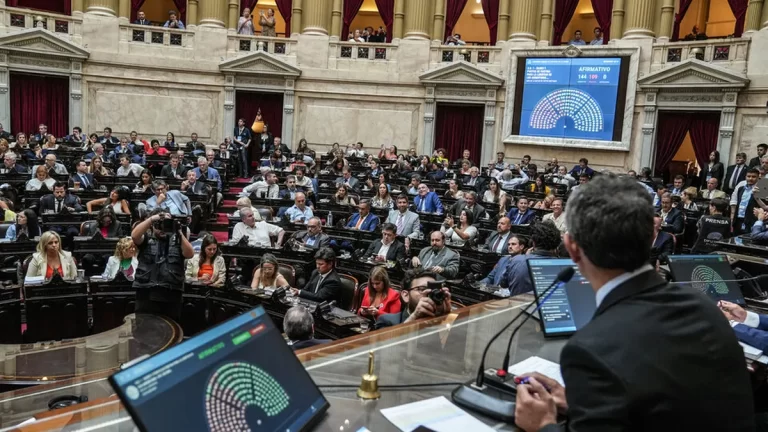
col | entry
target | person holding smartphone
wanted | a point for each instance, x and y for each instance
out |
(267, 23)
(245, 24)
(173, 21)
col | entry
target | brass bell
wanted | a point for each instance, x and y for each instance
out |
(369, 387)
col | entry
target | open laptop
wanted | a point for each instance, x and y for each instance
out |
(239, 375)
(569, 308)
(709, 274)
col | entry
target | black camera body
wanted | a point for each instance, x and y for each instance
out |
(170, 225)
(436, 293)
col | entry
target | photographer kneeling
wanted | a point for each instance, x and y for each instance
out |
(422, 296)
(159, 280)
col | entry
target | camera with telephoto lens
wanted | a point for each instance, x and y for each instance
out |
(436, 293)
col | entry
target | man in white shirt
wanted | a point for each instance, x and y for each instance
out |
(52, 165)
(557, 216)
(299, 212)
(258, 233)
(126, 167)
(301, 180)
(267, 188)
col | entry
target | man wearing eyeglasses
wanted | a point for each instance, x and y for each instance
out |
(313, 237)
(10, 165)
(415, 296)
(53, 166)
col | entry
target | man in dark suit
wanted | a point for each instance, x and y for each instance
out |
(59, 200)
(347, 179)
(670, 216)
(364, 220)
(81, 176)
(415, 296)
(663, 244)
(736, 173)
(762, 149)
(474, 180)
(388, 247)
(743, 203)
(324, 283)
(142, 19)
(582, 168)
(299, 327)
(470, 203)
(613, 381)
(313, 237)
(10, 165)
(497, 242)
(522, 214)
(277, 143)
(174, 169)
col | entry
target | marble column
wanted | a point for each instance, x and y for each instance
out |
(502, 29)
(727, 120)
(617, 22)
(296, 23)
(233, 15)
(102, 7)
(76, 95)
(77, 7)
(212, 13)
(429, 121)
(489, 126)
(754, 15)
(5, 94)
(524, 20)
(399, 22)
(229, 104)
(438, 29)
(418, 18)
(124, 10)
(336, 20)
(639, 19)
(764, 18)
(667, 19)
(288, 110)
(191, 13)
(316, 17)
(649, 130)
(545, 28)
(702, 16)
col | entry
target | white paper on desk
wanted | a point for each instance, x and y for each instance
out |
(437, 414)
(34, 280)
(751, 352)
(540, 365)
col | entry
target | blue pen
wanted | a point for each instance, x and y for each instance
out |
(527, 380)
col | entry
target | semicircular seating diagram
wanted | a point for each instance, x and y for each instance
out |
(574, 103)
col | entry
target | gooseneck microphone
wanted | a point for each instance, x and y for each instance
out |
(473, 396)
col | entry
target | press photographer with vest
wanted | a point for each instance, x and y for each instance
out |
(159, 280)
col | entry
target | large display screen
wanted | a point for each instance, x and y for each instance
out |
(575, 98)
(711, 275)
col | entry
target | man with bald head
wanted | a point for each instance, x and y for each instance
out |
(712, 191)
(427, 201)
(497, 242)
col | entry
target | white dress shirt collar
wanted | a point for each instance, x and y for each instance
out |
(606, 289)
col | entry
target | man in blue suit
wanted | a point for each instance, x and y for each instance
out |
(759, 229)
(427, 201)
(86, 180)
(364, 220)
(750, 328)
(582, 168)
(522, 215)
(208, 172)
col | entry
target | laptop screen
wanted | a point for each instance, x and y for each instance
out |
(709, 274)
(239, 375)
(570, 307)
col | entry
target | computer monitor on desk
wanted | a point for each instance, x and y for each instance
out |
(709, 274)
(210, 371)
(568, 308)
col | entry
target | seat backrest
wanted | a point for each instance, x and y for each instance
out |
(21, 269)
(85, 227)
(348, 288)
(265, 212)
(289, 273)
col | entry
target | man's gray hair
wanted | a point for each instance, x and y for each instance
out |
(202, 159)
(473, 194)
(245, 211)
(11, 156)
(298, 323)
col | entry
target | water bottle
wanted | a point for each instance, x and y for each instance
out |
(329, 220)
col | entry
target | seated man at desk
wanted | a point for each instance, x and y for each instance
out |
(127, 168)
(671, 217)
(259, 233)
(291, 189)
(522, 214)
(469, 202)
(663, 242)
(712, 192)
(300, 212)
(324, 283)
(98, 151)
(313, 237)
(299, 327)
(415, 296)
(81, 178)
(750, 328)
(437, 258)
(427, 201)
(474, 180)
(497, 242)
(348, 180)
(388, 247)
(406, 221)
(174, 169)
(175, 202)
(60, 200)
(267, 188)
(545, 239)
(204, 170)
(759, 229)
(302, 180)
(194, 186)
(53, 166)
(10, 165)
(364, 220)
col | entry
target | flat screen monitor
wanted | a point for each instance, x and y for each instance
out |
(709, 274)
(239, 375)
(571, 98)
(569, 308)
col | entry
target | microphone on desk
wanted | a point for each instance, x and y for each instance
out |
(473, 396)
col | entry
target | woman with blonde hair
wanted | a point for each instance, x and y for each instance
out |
(267, 275)
(207, 266)
(97, 168)
(42, 177)
(689, 194)
(380, 298)
(50, 259)
(123, 260)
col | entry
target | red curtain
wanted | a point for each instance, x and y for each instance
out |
(491, 12)
(135, 7)
(705, 128)
(739, 9)
(682, 10)
(286, 10)
(40, 99)
(351, 8)
(459, 127)
(247, 104)
(181, 5)
(564, 10)
(250, 4)
(387, 12)
(603, 14)
(63, 7)
(453, 11)
(12, 3)
(672, 128)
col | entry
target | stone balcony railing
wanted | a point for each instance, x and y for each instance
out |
(237, 45)
(142, 36)
(64, 26)
(730, 53)
(487, 57)
(356, 51)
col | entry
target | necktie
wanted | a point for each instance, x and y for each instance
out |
(359, 222)
(735, 177)
(423, 204)
(496, 244)
(319, 281)
(517, 219)
(58, 206)
(399, 224)
(428, 264)
(84, 178)
(472, 181)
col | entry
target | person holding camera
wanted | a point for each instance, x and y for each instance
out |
(423, 297)
(267, 23)
(245, 24)
(159, 279)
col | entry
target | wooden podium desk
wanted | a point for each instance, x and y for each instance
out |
(441, 350)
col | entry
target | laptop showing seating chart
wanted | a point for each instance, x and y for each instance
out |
(239, 375)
